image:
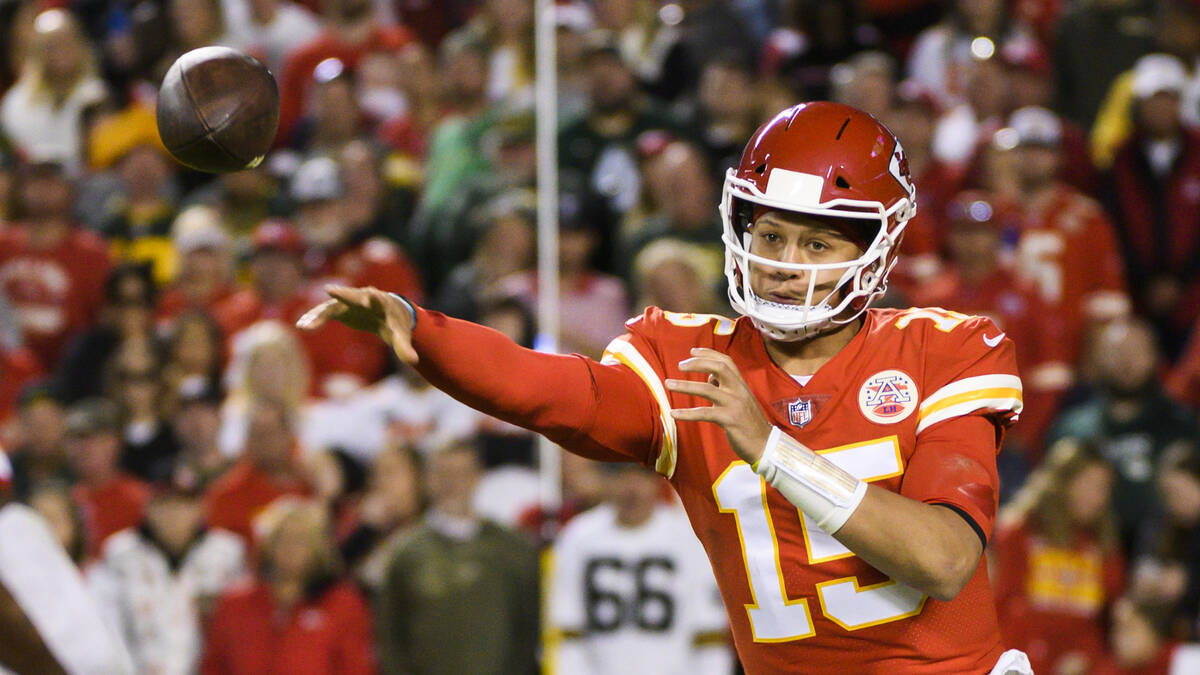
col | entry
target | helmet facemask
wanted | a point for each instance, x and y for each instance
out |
(863, 279)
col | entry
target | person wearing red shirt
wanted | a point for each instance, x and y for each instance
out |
(1067, 247)
(296, 617)
(269, 469)
(1058, 564)
(280, 291)
(353, 31)
(1183, 382)
(205, 276)
(1140, 644)
(110, 500)
(976, 281)
(863, 556)
(52, 271)
(18, 368)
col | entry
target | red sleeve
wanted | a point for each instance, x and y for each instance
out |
(599, 411)
(355, 649)
(1010, 555)
(955, 464)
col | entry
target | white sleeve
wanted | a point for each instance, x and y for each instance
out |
(47, 585)
(708, 618)
(566, 613)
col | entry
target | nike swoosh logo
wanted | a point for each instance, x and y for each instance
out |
(992, 342)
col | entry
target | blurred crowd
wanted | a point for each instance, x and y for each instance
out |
(245, 498)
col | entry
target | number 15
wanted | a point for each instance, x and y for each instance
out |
(773, 616)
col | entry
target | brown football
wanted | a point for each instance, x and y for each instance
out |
(218, 110)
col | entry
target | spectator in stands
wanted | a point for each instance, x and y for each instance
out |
(444, 237)
(269, 468)
(725, 110)
(381, 192)
(1067, 246)
(195, 24)
(196, 422)
(268, 363)
(245, 198)
(679, 277)
(1167, 567)
(912, 116)
(1094, 42)
(596, 153)
(980, 110)
(37, 441)
(505, 28)
(1140, 642)
(122, 336)
(454, 143)
(1129, 417)
(270, 29)
(336, 226)
(976, 281)
(205, 270)
(136, 218)
(52, 271)
(150, 447)
(193, 352)
(157, 581)
(941, 54)
(110, 499)
(351, 30)
(459, 575)
(631, 589)
(687, 198)
(333, 116)
(1176, 33)
(297, 615)
(1151, 191)
(19, 367)
(389, 512)
(866, 81)
(281, 291)
(1057, 560)
(593, 306)
(505, 246)
(42, 114)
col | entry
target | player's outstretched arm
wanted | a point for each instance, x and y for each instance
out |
(600, 411)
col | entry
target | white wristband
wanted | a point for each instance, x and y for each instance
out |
(818, 487)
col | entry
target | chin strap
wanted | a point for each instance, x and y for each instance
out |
(818, 487)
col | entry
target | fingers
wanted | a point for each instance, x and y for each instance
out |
(317, 316)
(705, 390)
(357, 297)
(399, 336)
(701, 414)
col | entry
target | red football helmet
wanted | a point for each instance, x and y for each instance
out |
(823, 159)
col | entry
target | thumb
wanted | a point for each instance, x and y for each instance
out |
(400, 338)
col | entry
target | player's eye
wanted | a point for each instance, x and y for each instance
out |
(771, 237)
(817, 245)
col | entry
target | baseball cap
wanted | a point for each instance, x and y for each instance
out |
(1155, 73)
(199, 227)
(276, 235)
(93, 416)
(1035, 125)
(317, 179)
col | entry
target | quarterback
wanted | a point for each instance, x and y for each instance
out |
(836, 462)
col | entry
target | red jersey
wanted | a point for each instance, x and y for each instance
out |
(110, 508)
(1035, 329)
(237, 497)
(332, 349)
(375, 262)
(251, 635)
(915, 403)
(1067, 249)
(1052, 600)
(56, 292)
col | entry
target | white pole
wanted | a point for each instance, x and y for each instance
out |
(546, 94)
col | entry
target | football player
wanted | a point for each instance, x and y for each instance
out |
(836, 462)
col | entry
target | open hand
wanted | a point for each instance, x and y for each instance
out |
(733, 407)
(367, 309)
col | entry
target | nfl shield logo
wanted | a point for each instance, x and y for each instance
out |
(800, 412)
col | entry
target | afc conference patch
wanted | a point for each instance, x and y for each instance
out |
(887, 397)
